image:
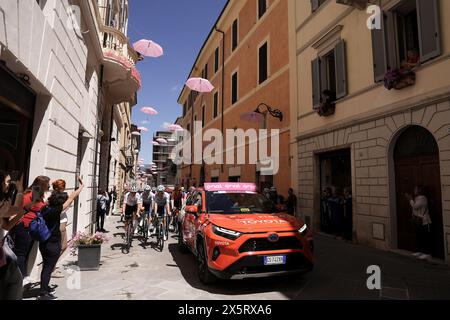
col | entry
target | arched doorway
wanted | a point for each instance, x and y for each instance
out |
(416, 158)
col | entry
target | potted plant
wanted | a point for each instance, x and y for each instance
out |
(89, 249)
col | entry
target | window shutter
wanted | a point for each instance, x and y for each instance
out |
(341, 70)
(379, 53)
(314, 5)
(429, 34)
(316, 82)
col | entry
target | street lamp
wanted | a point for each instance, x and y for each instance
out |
(276, 113)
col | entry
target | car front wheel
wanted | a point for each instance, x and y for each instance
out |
(181, 246)
(205, 276)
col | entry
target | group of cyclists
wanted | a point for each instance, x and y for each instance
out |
(151, 212)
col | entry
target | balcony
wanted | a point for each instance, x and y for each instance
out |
(121, 76)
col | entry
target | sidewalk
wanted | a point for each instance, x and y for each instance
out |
(340, 273)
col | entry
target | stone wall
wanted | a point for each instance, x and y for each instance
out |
(370, 144)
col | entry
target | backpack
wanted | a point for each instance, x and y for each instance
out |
(38, 229)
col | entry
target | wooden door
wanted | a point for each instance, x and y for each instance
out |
(410, 172)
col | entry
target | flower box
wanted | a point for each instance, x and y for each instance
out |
(89, 257)
(88, 248)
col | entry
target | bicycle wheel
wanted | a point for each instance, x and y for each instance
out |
(161, 236)
(145, 230)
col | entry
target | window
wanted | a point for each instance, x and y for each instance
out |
(203, 117)
(234, 179)
(329, 75)
(214, 179)
(234, 88)
(262, 8)
(262, 55)
(216, 104)
(216, 60)
(410, 34)
(184, 109)
(189, 127)
(234, 36)
(205, 75)
(315, 4)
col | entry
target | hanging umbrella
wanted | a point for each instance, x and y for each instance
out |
(155, 143)
(149, 110)
(199, 85)
(162, 140)
(148, 48)
(135, 133)
(174, 127)
(171, 140)
(152, 163)
(252, 117)
(143, 129)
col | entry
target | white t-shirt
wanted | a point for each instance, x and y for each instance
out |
(132, 201)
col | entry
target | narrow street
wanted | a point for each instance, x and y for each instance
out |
(340, 273)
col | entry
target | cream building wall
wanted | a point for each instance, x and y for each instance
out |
(368, 120)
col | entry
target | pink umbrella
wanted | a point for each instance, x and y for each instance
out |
(155, 143)
(149, 110)
(174, 127)
(252, 117)
(162, 140)
(199, 85)
(135, 133)
(148, 48)
(143, 129)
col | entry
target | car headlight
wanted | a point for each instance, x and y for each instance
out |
(303, 230)
(226, 233)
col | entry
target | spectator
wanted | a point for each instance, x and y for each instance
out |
(102, 209)
(348, 213)
(51, 249)
(11, 204)
(60, 186)
(422, 221)
(33, 202)
(325, 210)
(291, 203)
(335, 205)
(112, 200)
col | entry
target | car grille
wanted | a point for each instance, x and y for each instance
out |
(263, 244)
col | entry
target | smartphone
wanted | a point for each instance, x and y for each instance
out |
(36, 193)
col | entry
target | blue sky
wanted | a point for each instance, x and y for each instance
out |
(180, 27)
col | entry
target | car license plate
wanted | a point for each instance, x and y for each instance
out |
(274, 260)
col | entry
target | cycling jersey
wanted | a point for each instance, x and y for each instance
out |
(177, 199)
(147, 200)
(131, 203)
(131, 200)
(162, 201)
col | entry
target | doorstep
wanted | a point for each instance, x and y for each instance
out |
(408, 254)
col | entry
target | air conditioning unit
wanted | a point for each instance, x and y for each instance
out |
(359, 4)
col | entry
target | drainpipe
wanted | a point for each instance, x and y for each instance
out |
(223, 90)
(109, 147)
(94, 181)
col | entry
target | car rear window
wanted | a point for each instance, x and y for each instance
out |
(238, 203)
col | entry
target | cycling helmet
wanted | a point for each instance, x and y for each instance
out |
(147, 188)
(161, 188)
(134, 189)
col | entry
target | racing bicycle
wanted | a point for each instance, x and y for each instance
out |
(128, 234)
(160, 232)
(143, 227)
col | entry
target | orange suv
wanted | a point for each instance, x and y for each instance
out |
(236, 232)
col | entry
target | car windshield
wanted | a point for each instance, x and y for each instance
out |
(238, 203)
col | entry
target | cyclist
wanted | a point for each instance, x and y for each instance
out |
(147, 201)
(132, 203)
(177, 200)
(161, 206)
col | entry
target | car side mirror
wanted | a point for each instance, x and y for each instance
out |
(192, 210)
